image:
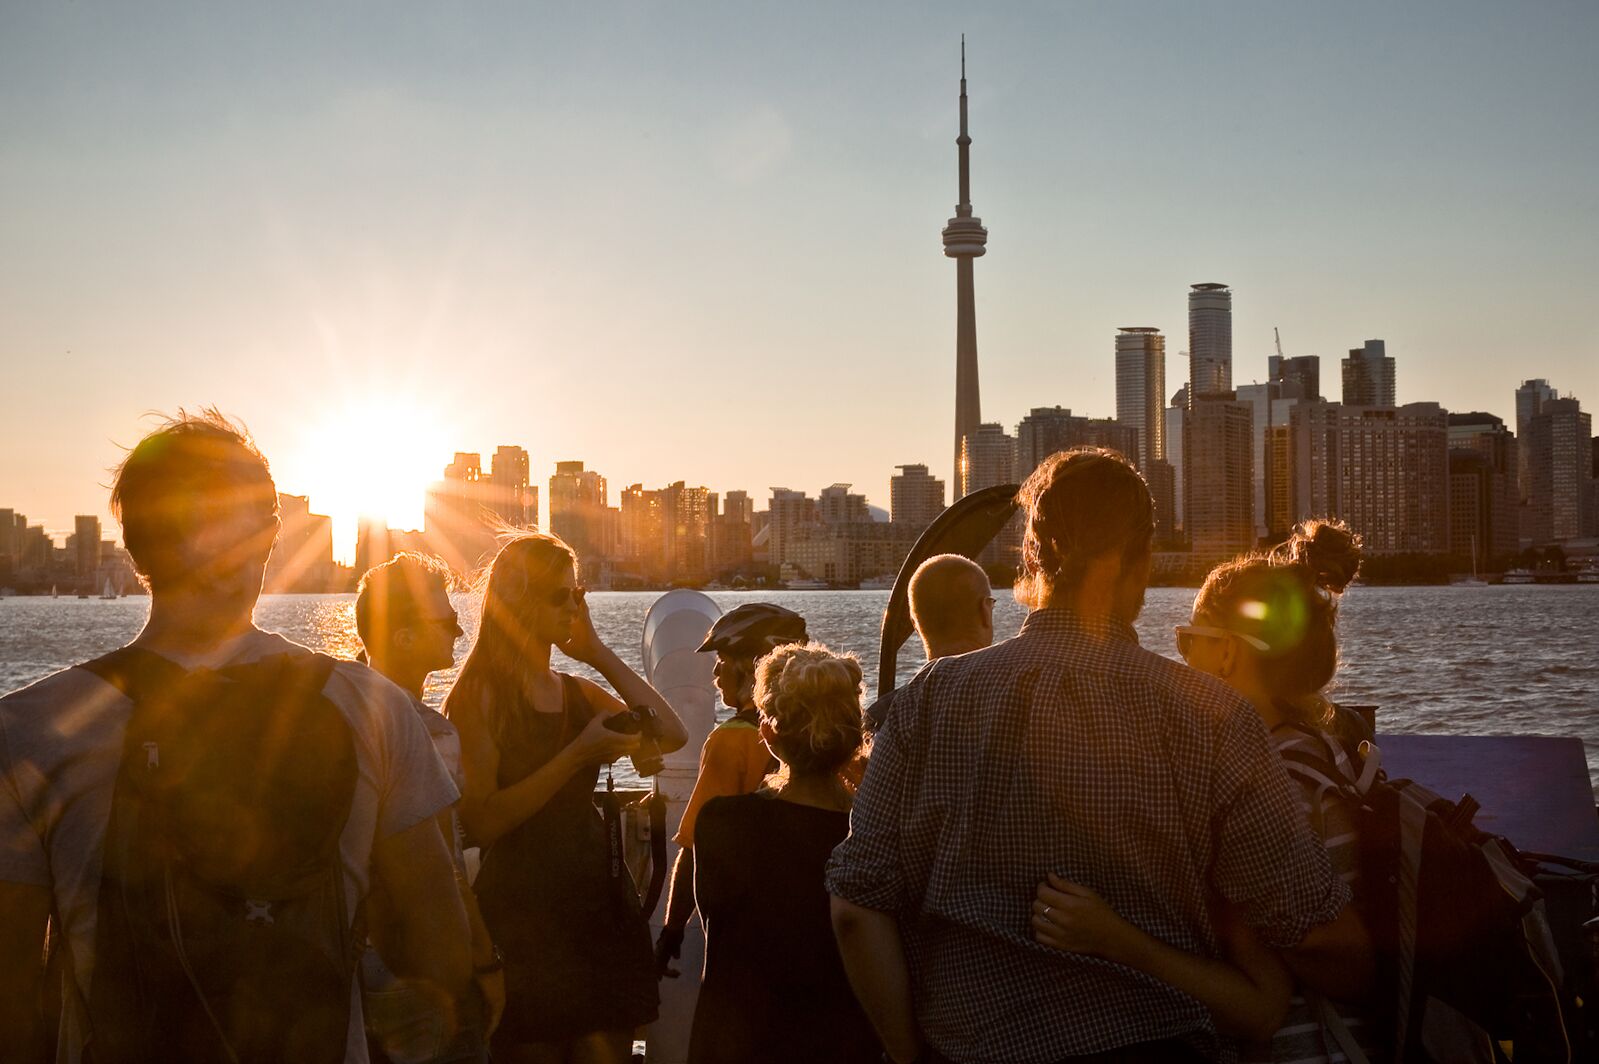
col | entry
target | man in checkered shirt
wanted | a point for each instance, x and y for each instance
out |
(1071, 750)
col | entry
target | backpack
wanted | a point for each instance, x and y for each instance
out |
(1464, 951)
(222, 933)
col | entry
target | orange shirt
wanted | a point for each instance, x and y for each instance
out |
(733, 761)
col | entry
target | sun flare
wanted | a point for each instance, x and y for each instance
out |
(372, 458)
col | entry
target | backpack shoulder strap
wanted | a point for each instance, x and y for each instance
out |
(133, 670)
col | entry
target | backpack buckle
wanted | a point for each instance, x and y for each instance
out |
(257, 912)
(152, 755)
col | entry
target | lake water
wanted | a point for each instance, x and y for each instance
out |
(1452, 660)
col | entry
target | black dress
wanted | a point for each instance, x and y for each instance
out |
(578, 956)
(774, 988)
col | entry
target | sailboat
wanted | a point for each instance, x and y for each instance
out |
(1475, 580)
(108, 592)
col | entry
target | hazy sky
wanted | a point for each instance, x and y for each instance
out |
(701, 242)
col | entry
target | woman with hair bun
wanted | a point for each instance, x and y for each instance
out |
(774, 987)
(1265, 624)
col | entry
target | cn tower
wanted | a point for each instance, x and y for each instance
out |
(964, 240)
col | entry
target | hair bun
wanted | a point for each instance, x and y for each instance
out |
(1329, 550)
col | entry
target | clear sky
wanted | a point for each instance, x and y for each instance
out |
(701, 241)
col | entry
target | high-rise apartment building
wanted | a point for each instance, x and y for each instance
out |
(641, 533)
(302, 558)
(1176, 415)
(1218, 484)
(988, 457)
(1492, 511)
(1559, 461)
(579, 502)
(916, 498)
(1369, 376)
(837, 505)
(1280, 515)
(511, 495)
(1384, 470)
(1530, 398)
(1300, 374)
(10, 538)
(1048, 429)
(1210, 340)
(686, 522)
(788, 514)
(1141, 390)
(86, 546)
(732, 535)
(1269, 404)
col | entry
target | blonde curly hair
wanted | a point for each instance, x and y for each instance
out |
(811, 696)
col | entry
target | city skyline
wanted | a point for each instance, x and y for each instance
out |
(161, 246)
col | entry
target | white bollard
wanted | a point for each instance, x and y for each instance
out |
(675, 626)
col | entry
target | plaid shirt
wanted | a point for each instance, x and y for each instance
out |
(1071, 749)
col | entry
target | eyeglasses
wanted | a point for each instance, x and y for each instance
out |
(1187, 633)
(560, 596)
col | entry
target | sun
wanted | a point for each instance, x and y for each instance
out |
(371, 458)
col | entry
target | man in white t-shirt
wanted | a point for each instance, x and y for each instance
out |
(198, 510)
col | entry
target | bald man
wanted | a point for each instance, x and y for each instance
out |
(952, 607)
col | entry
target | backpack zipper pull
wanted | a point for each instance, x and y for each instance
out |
(152, 755)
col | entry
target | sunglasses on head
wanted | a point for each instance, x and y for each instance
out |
(560, 596)
(1187, 633)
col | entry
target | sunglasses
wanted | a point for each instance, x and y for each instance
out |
(560, 596)
(1187, 633)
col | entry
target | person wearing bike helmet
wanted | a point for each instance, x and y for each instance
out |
(734, 760)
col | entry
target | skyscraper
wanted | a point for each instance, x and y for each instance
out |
(1218, 510)
(964, 240)
(1530, 398)
(1141, 389)
(1492, 509)
(1385, 470)
(578, 501)
(1210, 340)
(916, 497)
(988, 458)
(837, 505)
(1176, 414)
(513, 498)
(1269, 404)
(1369, 376)
(86, 547)
(1301, 372)
(1048, 429)
(1559, 457)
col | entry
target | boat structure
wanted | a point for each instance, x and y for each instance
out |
(109, 591)
(1520, 576)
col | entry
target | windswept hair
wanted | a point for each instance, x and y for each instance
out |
(192, 468)
(1081, 504)
(812, 697)
(527, 566)
(1288, 598)
(388, 595)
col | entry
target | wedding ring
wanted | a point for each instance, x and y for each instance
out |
(1045, 913)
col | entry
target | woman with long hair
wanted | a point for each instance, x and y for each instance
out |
(579, 969)
(775, 989)
(1265, 624)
